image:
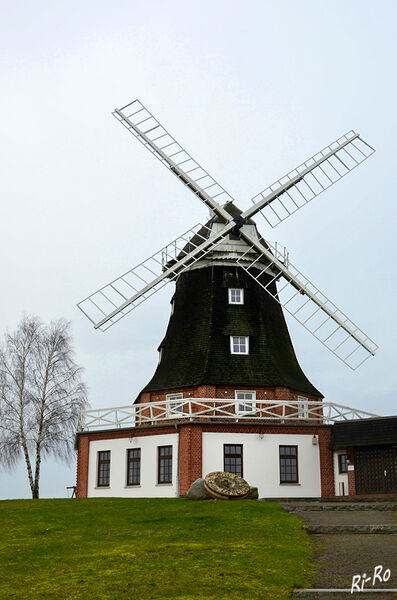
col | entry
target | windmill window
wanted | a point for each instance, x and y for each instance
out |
(103, 479)
(233, 459)
(246, 401)
(239, 344)
(160, 354)
(133, 466)
(174, 404)
(342, 462)
(288, 464)
(164, 474)
(236, 296)
(303, 408)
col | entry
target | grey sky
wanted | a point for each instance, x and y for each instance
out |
(251, 90)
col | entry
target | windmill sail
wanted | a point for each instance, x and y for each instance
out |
(113, 301)
(309, 306)
(145, 127)
(263, 262)
(293, 191)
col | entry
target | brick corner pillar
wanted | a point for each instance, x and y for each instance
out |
(326, 464)
(82, 466)
(351, 475)
(190, 456)
(143, 397)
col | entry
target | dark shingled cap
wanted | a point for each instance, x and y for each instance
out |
(196, 347)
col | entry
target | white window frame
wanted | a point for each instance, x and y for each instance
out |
(175, 406)
(303, 407)
(240, 337)
(231, 301)
(245, 406)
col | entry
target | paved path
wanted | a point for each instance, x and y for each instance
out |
(340, 556)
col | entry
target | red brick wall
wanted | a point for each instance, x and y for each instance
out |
(326, 464)
(190, 456)
(82, 466)
(351, 476)
(222, 391)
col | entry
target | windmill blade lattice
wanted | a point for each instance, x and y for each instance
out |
(293, 191)
(309, 306)
(145, 127)
(113, 301)
(295, 292)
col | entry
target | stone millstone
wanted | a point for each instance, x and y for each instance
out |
(226, 486)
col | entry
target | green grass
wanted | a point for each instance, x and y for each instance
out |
(119, 549)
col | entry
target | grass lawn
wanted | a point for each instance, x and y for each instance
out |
(119, 549)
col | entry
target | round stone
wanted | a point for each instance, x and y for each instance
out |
(226, 486)
(253, 494)
(197, 491)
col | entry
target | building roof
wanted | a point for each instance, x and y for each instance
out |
(196, 347)
(364, 432)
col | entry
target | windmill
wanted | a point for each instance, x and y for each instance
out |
(232, 235)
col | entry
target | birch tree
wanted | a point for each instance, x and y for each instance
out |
(41, 395)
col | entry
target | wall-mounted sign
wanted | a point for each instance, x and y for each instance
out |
(350, 467)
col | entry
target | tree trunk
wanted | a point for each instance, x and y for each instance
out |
(28, 464)
(35, 490)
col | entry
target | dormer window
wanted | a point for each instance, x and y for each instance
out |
(303, 408)
(239, 344)
(236, 296)
(246, 401)
(174, 404)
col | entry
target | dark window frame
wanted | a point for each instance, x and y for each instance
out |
(103, 473)
(134, 460)
(233, 455)
(161, 459)
(284, 456)
(342, 463)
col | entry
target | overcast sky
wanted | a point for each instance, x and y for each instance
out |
(251, 89)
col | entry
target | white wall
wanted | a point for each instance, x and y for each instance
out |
(261, 462)
(340, 477)
(118, 467)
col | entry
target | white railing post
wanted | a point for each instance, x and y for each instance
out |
(215, 409)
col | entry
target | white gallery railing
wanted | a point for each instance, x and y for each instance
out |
(208, 409)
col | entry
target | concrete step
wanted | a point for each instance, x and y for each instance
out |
(343, 594)
(342, 506)
(336, 499)
(346, 517)
(356, 529)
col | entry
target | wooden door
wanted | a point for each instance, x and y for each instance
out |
(376, 469)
